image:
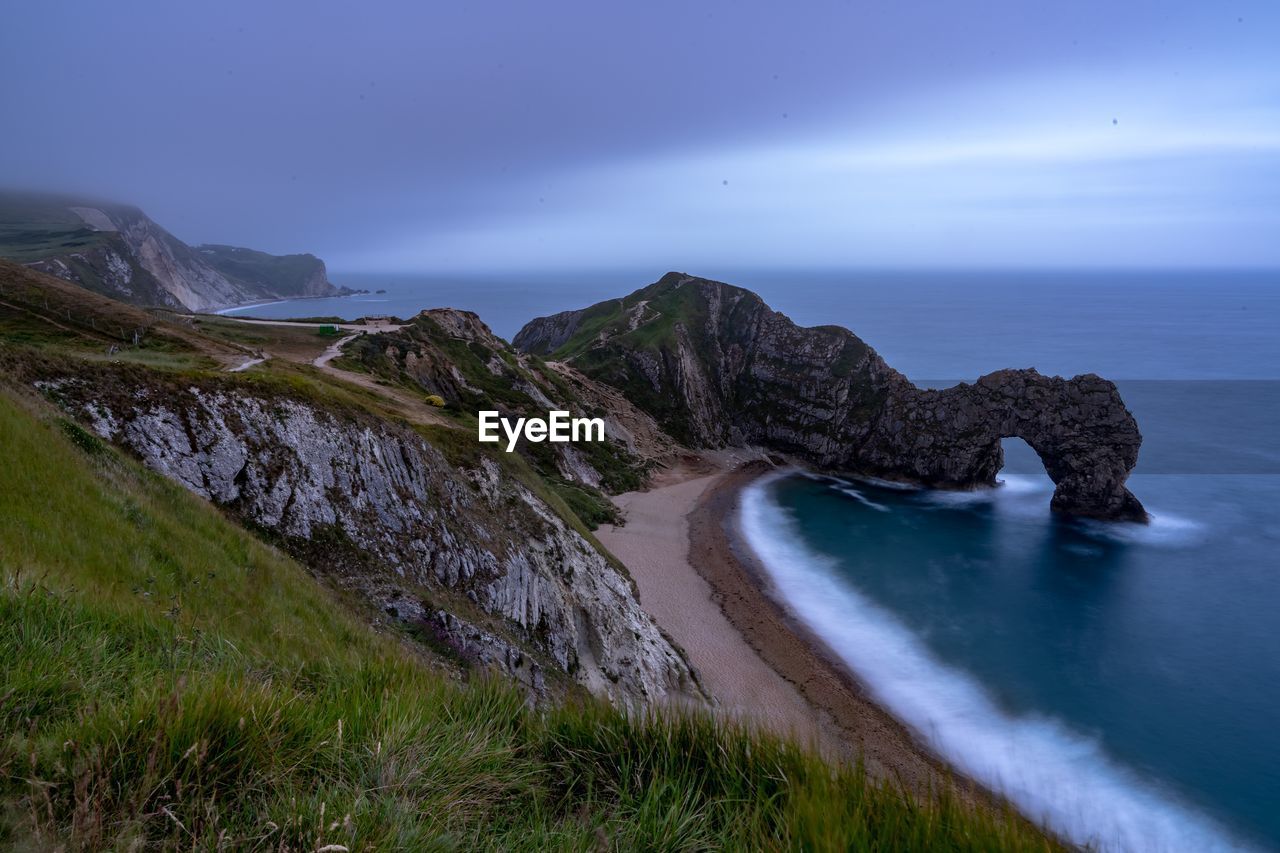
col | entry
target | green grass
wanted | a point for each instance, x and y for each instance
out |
(48, 317)
(169, 681)
(592, 508)
(33, 242)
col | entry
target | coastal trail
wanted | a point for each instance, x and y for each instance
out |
(399, 400)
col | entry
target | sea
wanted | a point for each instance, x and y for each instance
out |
(1118, 682)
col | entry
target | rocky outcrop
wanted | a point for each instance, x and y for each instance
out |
(383, 510)
(454, 355)
(716, 366)
(547, 334)
(465, 640)
(1080, 428)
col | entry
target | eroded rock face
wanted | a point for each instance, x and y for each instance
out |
(716, 366)
(382, 508)
(1080, 428)
(131, 258)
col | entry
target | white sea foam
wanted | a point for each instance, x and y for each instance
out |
(1052, 774)
(861, 498)
(1164, 530)
(891, 484)
(238, 308)
(968, 497)
(1010, 488)
(1024, 484)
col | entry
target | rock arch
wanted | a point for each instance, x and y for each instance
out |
(1079, 427)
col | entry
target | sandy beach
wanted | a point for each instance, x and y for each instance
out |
(700, 582)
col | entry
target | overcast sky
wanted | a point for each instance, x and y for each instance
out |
(491, 135)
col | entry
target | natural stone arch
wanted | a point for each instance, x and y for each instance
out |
(1085, 437)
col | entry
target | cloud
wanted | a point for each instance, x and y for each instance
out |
(414, 135)
(1038, 171)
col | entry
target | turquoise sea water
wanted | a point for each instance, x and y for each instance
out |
(1121, 682)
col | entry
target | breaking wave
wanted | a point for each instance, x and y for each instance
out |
(1052, 774)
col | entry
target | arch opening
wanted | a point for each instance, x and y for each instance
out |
(1020, 458)
(1023, 472)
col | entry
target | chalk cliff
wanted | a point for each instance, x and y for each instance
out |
(461, 551)
(118, 251)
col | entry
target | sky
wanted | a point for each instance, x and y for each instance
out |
(493, 135)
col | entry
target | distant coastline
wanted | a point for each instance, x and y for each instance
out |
(262, 303)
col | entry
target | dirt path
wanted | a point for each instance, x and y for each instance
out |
(247, 363)
(334, 350)
(402, 402)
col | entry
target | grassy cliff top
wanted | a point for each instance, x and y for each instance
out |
(645, 319)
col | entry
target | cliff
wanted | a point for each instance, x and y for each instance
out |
(464, 552)
(118, 251)
(277, 275)
(716, 366)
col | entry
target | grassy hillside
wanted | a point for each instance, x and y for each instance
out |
(46, 315)
(168, 680)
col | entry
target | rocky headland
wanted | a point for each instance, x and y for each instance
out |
(119, 251)
(716, 367)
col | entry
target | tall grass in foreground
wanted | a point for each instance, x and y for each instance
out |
(167, 681)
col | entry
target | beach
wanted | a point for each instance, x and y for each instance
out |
(703, 586)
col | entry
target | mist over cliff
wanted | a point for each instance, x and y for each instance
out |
(118, 251)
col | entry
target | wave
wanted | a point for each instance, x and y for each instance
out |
(1024, 484)
(236, 308)
(1052, 774)
(1163, 530)
(850, 491)
(890, 484)
(1016, 494)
